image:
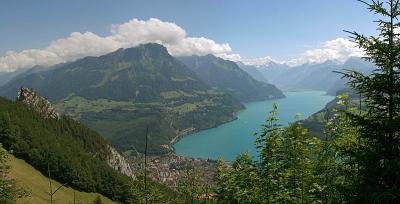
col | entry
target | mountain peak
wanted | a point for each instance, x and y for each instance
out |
(152, 49)
(261, 61)
(151, 46)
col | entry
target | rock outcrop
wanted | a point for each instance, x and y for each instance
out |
(38, 103)
(119, 163)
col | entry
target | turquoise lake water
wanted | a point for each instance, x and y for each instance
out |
(231, 139)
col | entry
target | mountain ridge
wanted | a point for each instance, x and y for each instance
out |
(120, 93)
(225, 75)
(313, 76)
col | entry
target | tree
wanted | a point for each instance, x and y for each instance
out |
(269, 146)
(239, 183)
(378, 154)
(98, 200)
(336, 165)
(284, 172)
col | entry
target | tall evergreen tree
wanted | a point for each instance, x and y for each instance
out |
(379, 134)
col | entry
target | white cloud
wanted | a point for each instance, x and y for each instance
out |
(173, 37)
(260, 61)
(231, 57)
(338, 50)
(129, 34)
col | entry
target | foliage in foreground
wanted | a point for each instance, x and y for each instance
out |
(378, 152)
(293, 166)
(357, 160)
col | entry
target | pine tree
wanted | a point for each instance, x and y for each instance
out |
(268, 143)
(379, 134)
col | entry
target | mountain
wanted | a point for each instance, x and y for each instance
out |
(311, 76)
(121, 93)
(353, 63)
(7, 76)
(253, 72)
(228, 77)
(317, 121)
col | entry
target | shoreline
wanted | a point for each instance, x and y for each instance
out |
(177, 138)
(197, 146)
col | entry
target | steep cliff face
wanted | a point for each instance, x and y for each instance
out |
(37, 103)
(40, 104)
(119, 163)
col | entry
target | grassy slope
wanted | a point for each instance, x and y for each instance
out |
(28, 177)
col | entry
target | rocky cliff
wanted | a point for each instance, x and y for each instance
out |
(119, 163)
(36, 102)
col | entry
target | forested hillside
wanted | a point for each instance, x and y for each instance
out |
(316, 122)
(75, 155)
(121, 93)
(228, 77)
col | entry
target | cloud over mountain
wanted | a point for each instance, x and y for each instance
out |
(260, 61)
(172, 36)
(339, 50)
(129, 34)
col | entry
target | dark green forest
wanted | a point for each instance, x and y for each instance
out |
(225, 75)
(74, 154)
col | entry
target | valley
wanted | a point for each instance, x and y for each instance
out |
(195, 110)
(199, 102)
(123, 92)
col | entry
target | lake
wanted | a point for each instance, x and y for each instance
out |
(231, 139)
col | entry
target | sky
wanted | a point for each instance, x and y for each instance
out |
(284, 30)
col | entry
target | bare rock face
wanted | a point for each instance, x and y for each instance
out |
(38, 103)
(119, 163)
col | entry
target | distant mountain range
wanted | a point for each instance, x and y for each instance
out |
(228, 77)
(121, 93)
(7, 76)
(253, 72)
(309, 76)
